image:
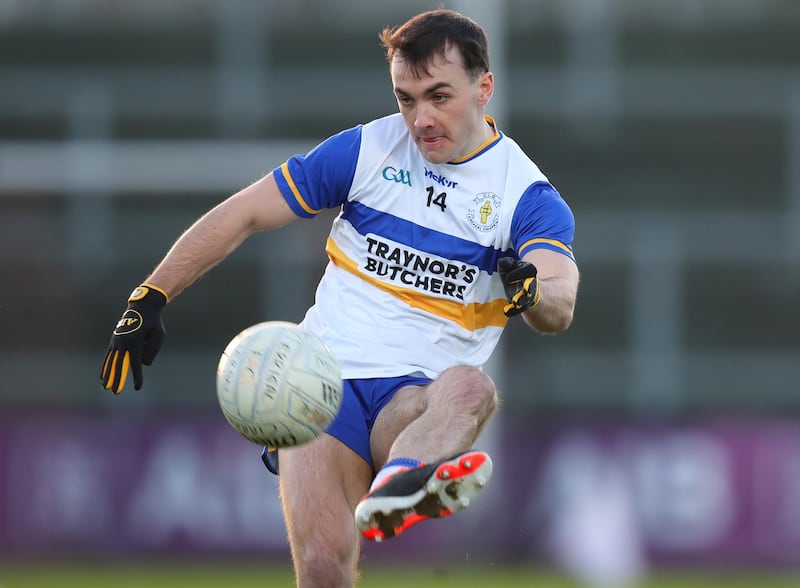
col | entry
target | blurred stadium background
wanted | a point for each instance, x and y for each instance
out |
(660, 433)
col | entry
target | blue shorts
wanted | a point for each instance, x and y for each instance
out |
(362, 400)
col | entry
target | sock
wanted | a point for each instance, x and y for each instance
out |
(393, 466)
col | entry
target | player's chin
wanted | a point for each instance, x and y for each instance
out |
(435, 152)
(436, 155)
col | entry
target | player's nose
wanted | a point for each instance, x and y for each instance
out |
(424, 116)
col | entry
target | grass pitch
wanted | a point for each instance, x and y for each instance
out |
(230, 575)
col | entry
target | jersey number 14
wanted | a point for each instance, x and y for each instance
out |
(436, 199)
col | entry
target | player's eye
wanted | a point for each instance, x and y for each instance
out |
(404, 100)
(439, 98)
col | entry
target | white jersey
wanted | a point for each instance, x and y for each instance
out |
(411, 285)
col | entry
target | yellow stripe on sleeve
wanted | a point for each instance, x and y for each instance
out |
(552, 242)
(297, 196)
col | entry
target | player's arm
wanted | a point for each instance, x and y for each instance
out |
(557, 276)
(321, 178)
(139, 333)
(542, 287)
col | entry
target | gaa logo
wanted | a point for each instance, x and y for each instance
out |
(399, 176)
(131, 321)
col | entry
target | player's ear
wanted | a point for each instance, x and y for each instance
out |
(485, 88)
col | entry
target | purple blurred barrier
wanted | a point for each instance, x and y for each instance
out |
(722, 492)
(82, 484)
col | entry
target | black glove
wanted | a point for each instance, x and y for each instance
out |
(136, 338)
(520, 283)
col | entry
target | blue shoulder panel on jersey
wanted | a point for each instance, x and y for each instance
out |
(542, 220)
(321, 178)
(368, 220)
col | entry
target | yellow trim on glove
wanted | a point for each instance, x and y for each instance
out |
(143, 290)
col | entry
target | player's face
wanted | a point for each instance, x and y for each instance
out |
(444, 109)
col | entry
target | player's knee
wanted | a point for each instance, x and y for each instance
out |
(324, 565)
(472, 389)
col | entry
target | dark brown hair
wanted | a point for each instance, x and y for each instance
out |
(430, 34)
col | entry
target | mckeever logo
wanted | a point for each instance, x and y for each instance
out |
(401, 176)
(484, 214)
(440, 179)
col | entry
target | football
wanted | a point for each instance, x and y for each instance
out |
(278, 385)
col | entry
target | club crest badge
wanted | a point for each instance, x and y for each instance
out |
(484, 214)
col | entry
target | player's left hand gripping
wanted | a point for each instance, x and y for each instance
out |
(136, 338)
(520, 283)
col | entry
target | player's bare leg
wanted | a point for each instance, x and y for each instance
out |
(425, 434)
(439, 420)
(321, 483)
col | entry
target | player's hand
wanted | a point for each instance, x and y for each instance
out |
(521, 285)
(136, 338)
